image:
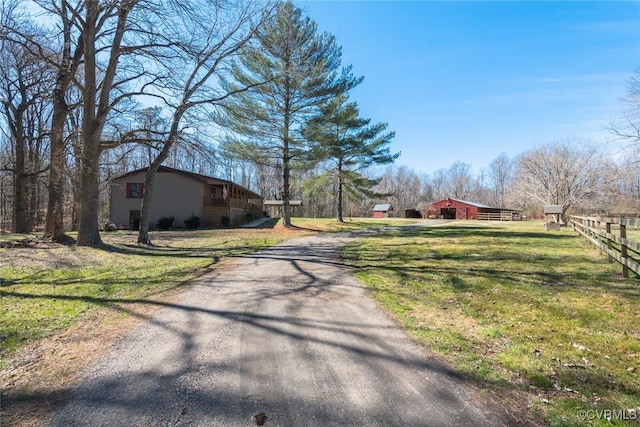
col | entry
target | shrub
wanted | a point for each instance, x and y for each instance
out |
(165, 223)
(109, 225)
(192, 222)
(250, 216)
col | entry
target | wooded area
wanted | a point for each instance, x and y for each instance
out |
(251, 92)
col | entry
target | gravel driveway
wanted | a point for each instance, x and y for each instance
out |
(286, 332)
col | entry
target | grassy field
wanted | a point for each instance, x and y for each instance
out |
(517, 308)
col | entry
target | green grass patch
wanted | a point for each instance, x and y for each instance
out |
(513, 305)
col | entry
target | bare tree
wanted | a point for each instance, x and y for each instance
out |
(62, 49)
(24, 96)
(439, 183)
(460, 180)
(562, 173)
(627, 128)
(500, 176)
(403, 185)
(222, 31)
(103, 30)
(625, 191)
(65, 57)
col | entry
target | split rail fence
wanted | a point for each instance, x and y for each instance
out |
(598, 230)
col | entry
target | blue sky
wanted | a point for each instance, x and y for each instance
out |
(465, 81)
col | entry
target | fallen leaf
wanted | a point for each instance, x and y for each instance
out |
(260, 418)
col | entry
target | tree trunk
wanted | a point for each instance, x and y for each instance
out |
(76, 146)
(88, 229)
(286, 196)
(54, 225)
(339, 214)
(286, 171)
(54, 229)
(20, 189)
(34, 201)
(20, 201)
(145, 210)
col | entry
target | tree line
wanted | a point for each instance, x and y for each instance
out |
(92, 88)
(576, 174)
(247, 91)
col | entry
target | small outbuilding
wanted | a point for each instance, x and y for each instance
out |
(412, 213)
(273, 208)
(382, 210)
(461, 209)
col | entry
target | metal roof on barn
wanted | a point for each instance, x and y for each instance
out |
(477, 205)
(383, 207)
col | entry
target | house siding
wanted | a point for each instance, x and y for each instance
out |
(174, 195)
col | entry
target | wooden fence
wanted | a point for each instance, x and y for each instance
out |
(498, 216)
(598, 229)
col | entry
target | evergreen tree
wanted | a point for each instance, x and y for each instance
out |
(351, 144)
(296, 69)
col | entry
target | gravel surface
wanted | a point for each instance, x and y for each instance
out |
(286, 332)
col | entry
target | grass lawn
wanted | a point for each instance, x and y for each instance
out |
(517, 308)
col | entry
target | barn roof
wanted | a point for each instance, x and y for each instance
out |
(383, 207)
(479, 205)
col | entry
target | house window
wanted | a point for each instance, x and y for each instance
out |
(135, 190)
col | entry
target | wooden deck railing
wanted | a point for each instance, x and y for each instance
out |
(219, 202)
(597, 230)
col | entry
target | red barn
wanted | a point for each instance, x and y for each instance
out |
(462, 209)
(382, 210)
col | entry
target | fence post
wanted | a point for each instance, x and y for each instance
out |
(623, 248)
(609, 246)
(599, 235)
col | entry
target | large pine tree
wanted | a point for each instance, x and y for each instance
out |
(301, 70)
(350, 144)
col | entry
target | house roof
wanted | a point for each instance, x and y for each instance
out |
(384, 207)
(195, 176)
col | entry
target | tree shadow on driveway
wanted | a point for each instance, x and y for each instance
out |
(286, 331)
